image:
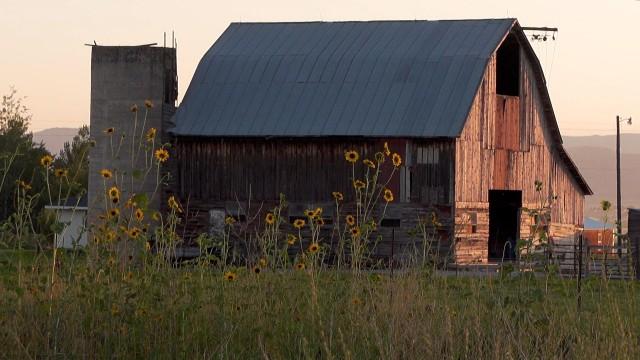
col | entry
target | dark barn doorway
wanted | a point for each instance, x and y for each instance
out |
(504, 223)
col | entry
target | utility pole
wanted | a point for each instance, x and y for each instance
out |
(619, 191)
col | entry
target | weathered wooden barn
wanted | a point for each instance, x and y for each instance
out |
(273, 106)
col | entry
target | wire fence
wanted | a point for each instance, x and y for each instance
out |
(576, 258)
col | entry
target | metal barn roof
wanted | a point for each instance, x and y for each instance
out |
(378, 78)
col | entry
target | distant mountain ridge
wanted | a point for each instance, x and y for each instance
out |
(54, 138)
(598, 166)
(629, 143)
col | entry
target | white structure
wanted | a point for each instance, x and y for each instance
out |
(74, 219)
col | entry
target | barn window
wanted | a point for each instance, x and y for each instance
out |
(508, 68)
(393, 223)
(216, 222)
(431, 174)
(473, 220)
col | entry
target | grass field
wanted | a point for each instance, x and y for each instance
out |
(104, 311)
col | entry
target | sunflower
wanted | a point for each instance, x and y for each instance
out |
(106, 173)
(61, 173)
(109, 131)
(256, 270)
(300, 266)
(309, 213)
(314, 247)
(356, 301)
(387, 151)
(148, 104)
(299, 224)
(151, 134)
(337, 195)
(388, 195)
(291, 239)
(114, 192)
(162, 155)
(139, 214)
(317, 212)
(24, 185)
(351, 156)
(397, 160)
(46, 161)
(263, 262)
(270, 219)
(351, 220)
(130, 203)
(114, 213)
(156, 216)
(355, 232)
(173, 204)
(134, 108)
(369, 163)
(134, 232)
(111, 235)
(229, 220)
(319, 221)
(359, 184)
(230, 276)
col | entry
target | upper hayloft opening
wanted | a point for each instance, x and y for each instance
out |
(508, 67)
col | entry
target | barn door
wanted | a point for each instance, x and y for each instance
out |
(504, 223)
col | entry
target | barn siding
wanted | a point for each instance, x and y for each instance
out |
(505, 145)
(221, 174)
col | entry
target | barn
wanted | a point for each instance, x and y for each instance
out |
(273, 106)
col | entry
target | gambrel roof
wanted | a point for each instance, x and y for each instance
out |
(378, 78)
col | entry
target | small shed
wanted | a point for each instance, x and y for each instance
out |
(73, 215)
(598, 233)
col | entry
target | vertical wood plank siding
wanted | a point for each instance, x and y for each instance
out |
(215, 170)
(262, 169)
(217, 173)
(506, 145)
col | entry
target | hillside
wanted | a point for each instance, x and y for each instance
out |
(54, 138)
(598, 166)
(630, 143)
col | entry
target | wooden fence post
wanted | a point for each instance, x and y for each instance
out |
(579, 271)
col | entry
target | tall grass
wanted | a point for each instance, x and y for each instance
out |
(193, 311)
(263, 290)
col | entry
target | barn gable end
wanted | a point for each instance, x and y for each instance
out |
(510, 141)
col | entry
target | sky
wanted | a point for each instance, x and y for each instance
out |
(592, 68)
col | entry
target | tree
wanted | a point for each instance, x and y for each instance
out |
(19, 155)
(73, 163)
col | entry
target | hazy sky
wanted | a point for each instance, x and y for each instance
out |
(592, 68)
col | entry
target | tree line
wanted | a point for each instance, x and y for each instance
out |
(23, 179)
